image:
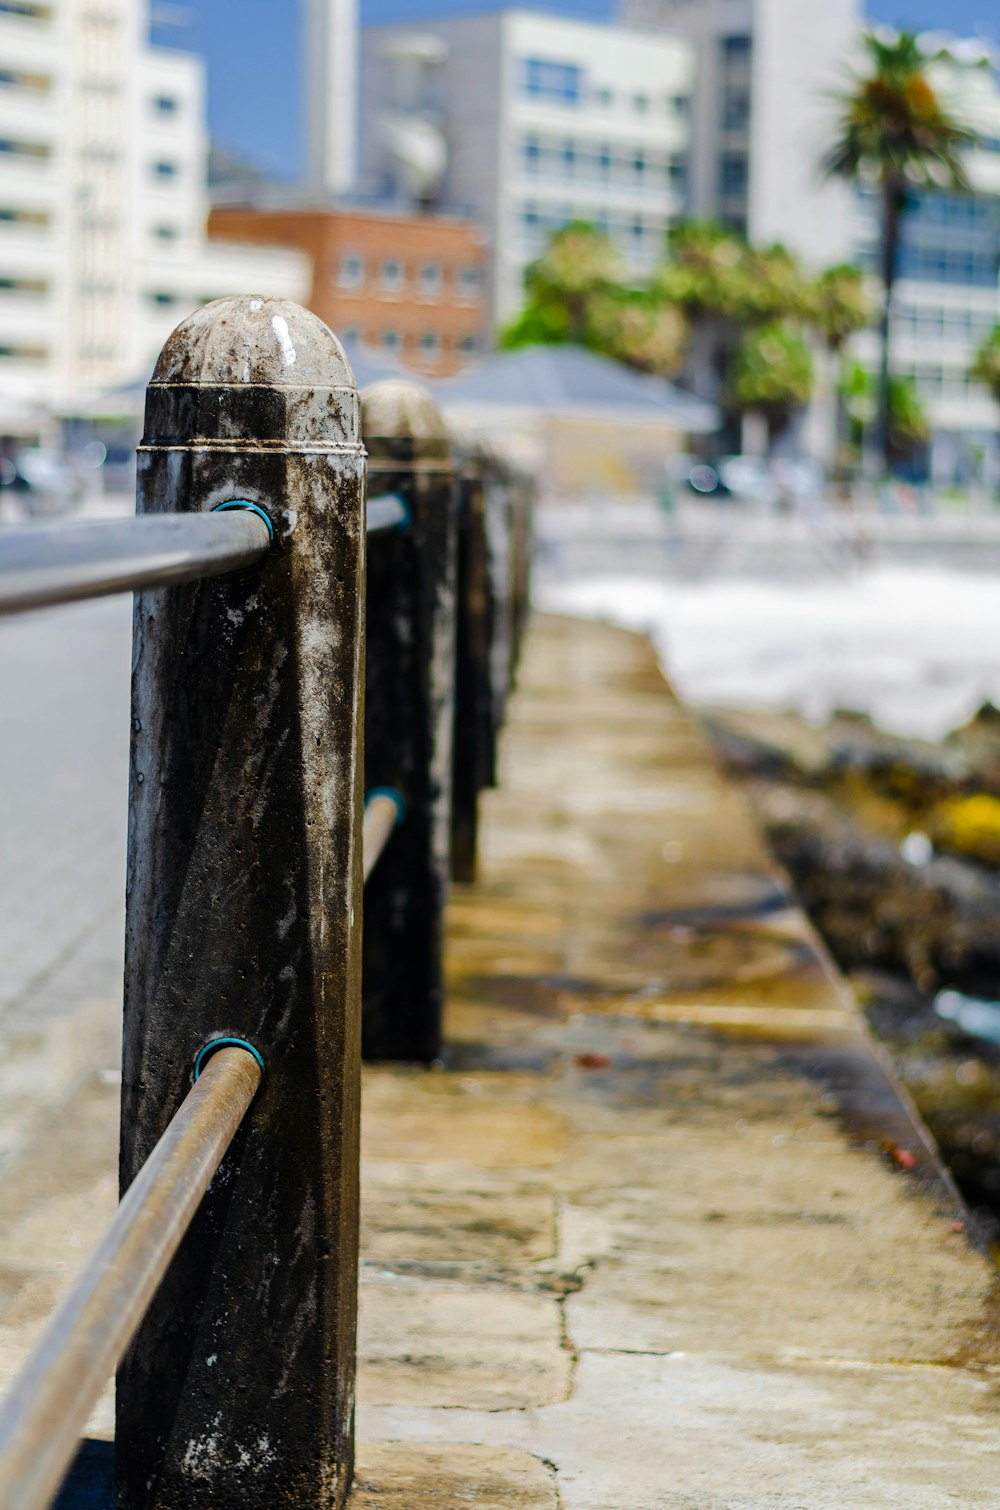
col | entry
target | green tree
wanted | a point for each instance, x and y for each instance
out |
(577, 292)
(909, 426)
(772, 373)
(578, 270)
(986, 366)
(895, 133)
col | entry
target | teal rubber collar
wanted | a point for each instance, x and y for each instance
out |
(206, 1051)
(253, 508)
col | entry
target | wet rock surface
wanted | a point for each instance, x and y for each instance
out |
(893, 847)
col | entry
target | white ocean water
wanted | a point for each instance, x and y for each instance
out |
(917, 649)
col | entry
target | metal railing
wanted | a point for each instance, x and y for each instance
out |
(225, 1289)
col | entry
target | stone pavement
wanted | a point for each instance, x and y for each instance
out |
(661, 1231)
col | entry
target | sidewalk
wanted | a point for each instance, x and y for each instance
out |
(660, 1233)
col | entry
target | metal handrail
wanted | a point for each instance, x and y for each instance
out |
(44, 565)
(45, 1413)
(387, 513)
(384, 809)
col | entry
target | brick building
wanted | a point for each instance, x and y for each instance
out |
(413, 286)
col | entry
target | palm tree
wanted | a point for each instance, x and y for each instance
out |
(895, 133)
(986, 366)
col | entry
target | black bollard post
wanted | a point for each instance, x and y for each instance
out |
(243, 913)
(408, 720)
(474, 735)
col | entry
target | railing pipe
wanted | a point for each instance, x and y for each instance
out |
(50, 1400)
(387, 513)
(383, 810)
(475, 732)
(410, 670)
(45, 565)
(243, 912)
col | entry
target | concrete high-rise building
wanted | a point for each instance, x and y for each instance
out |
(331, 63)
(529, 121)
(763, 113)
(103, 204)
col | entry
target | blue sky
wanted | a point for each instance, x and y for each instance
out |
(252, 49)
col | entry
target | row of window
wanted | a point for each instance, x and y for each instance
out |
(961, 325)
(566, 84)
(164, 169)
(12, 215)
(949, 264)
(943, 383)
(633, 230)
(601, 163)
(430, 343)
(26, 10)
(430, 278)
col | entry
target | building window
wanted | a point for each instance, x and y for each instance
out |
(567, 158)
(390, 340)
(23, 285)
(25, 10)
(162, 300)
(25, 353)
(166, 232)
(639, 165)
(733, 175)
(677, 176)
(531, 152)
(560, 83)
(164, 168)
(430, 279)
(391, 276)
(36, 150)
(9, 216)
(680, 105)
(166, 104)
(735, 109)
(736, 49)
(604, 161)
(351, 273)
(604, 97)
(640, 103)
(17, 78)
(470, 282)
(430, 343)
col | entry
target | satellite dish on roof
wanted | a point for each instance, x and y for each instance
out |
(420, 151)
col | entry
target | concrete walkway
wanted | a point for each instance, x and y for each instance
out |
(660, 1233)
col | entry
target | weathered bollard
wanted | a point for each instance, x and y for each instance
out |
(475, 734)
(408, 719)
(244, 900)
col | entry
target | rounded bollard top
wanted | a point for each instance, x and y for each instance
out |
(251, 371)
(400, 421)
(249, 339)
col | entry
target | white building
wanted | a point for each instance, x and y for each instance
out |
(762, 115)
(103, 204)
(538, 121)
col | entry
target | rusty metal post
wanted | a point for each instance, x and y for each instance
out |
(475, 734)
(408, 720)
(244, 900)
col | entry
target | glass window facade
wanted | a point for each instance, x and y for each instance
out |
(560, 83)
